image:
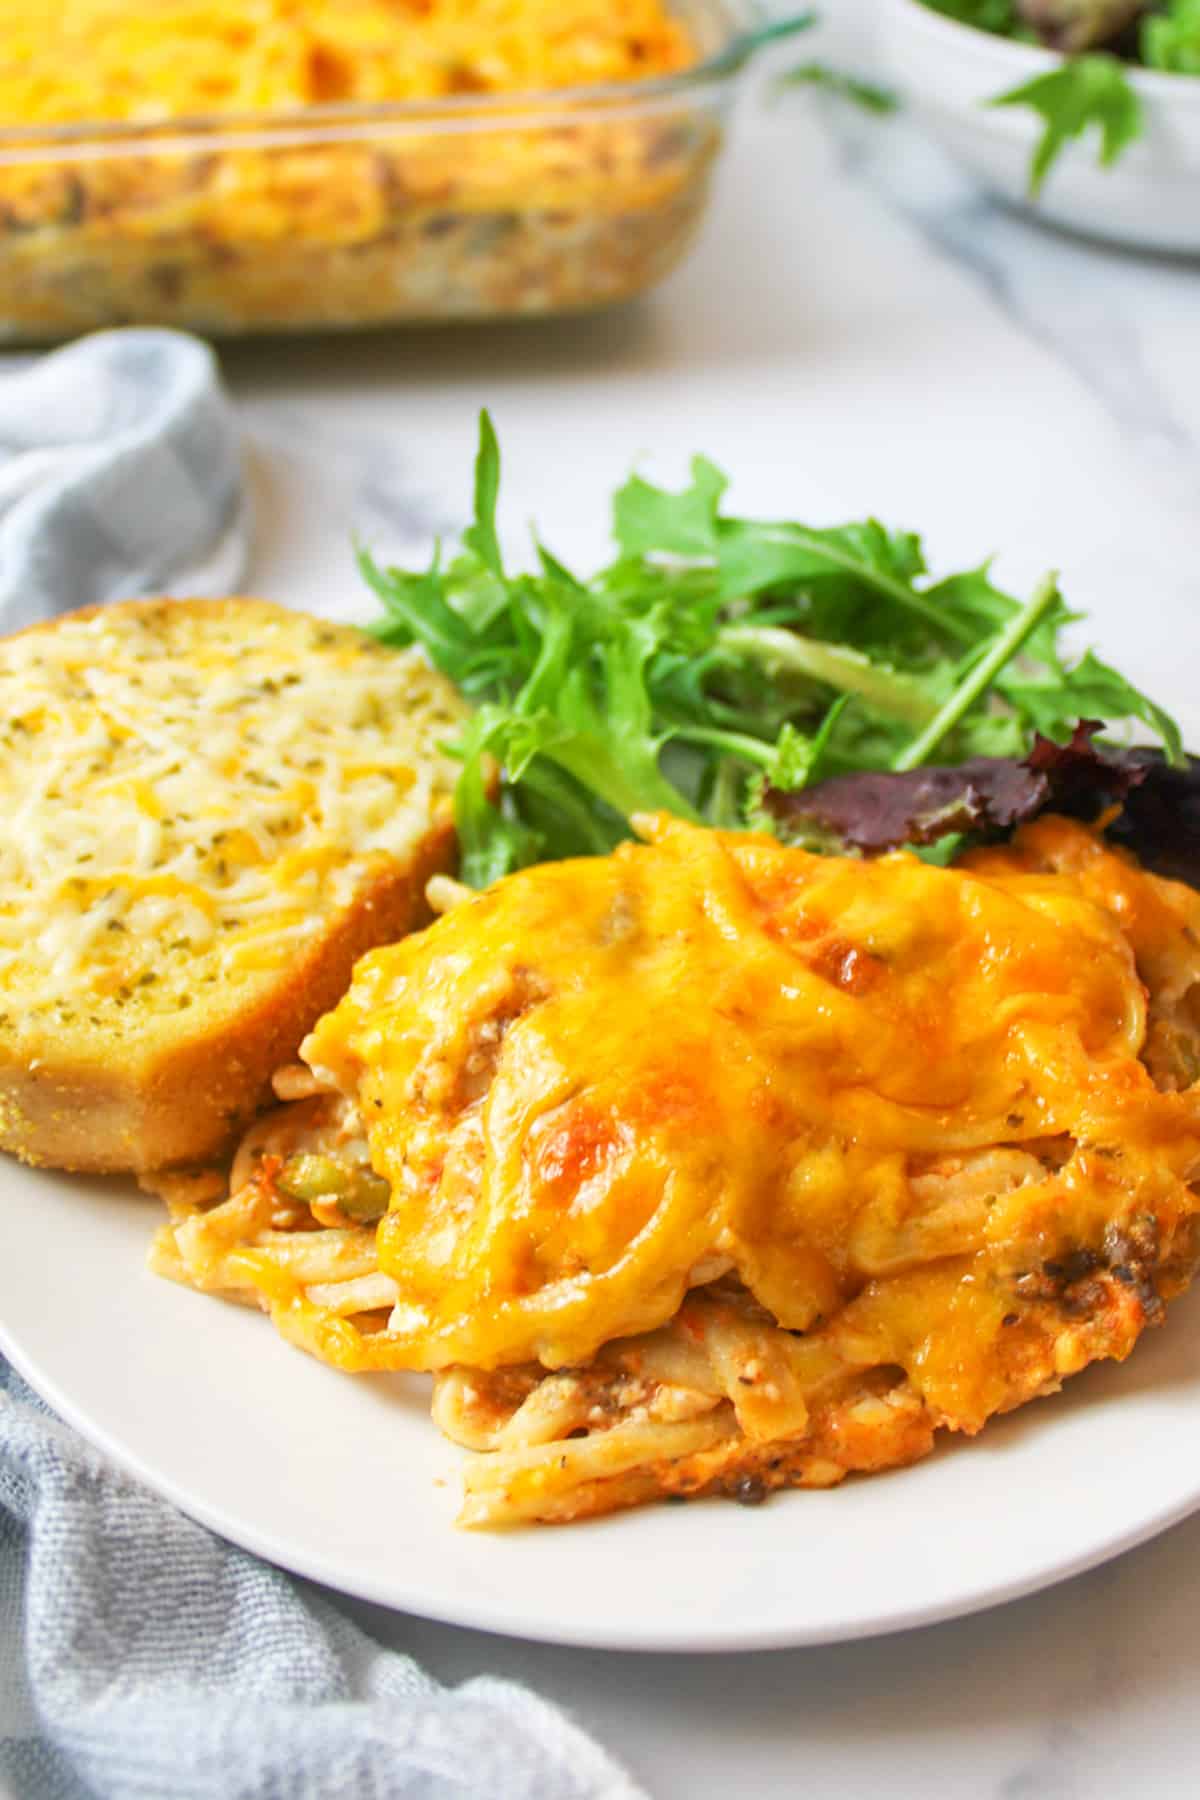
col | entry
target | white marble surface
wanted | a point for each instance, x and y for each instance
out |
(858, 331)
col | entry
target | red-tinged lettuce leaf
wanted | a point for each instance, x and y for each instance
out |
(1155, 807)
(875, 811)
(1075, 25)
(1158, 802)
(1160, 819)
(1081, 779)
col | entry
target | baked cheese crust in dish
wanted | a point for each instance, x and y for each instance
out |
(67, 60)
(715, 1167)
(299, 163)
(212, 808)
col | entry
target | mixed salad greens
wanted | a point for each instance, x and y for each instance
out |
(1089, 91)
(1100, 41)
(718, 663)
(1161, 34)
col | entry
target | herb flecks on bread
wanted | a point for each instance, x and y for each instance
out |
(211, 808)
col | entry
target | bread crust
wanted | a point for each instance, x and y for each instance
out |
(170, 1097)
(182, 1100)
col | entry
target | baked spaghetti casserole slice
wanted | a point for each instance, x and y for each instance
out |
(713, 1166)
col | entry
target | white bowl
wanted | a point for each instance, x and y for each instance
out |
(948, 72)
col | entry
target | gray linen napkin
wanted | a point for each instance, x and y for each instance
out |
(120, 475)
(159, 1662)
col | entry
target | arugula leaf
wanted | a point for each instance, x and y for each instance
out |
(1053, 700)
(795, 758)
(849, 672)
(980, 677)
(753, 556)
(650, 521)
(1171, 41)
(717, 657)
(492, 838)
(481, 535)
(867, 94)
(1083, 93)
(415, 612)
(1000, 17)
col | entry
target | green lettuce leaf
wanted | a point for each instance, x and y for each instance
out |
(1171, 39)
(1086, 93)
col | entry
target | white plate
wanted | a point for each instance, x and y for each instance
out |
(347, 1480)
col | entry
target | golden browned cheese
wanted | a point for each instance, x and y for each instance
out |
(67, 61)
(892, 1099)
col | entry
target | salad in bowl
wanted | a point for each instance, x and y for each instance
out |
(1086, 110)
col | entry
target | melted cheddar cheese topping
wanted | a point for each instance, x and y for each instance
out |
(881, 1095)
(68, 61)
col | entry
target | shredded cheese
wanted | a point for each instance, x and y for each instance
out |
(71, 60)
(175, 781)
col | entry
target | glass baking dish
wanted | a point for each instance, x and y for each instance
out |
(348, 216)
